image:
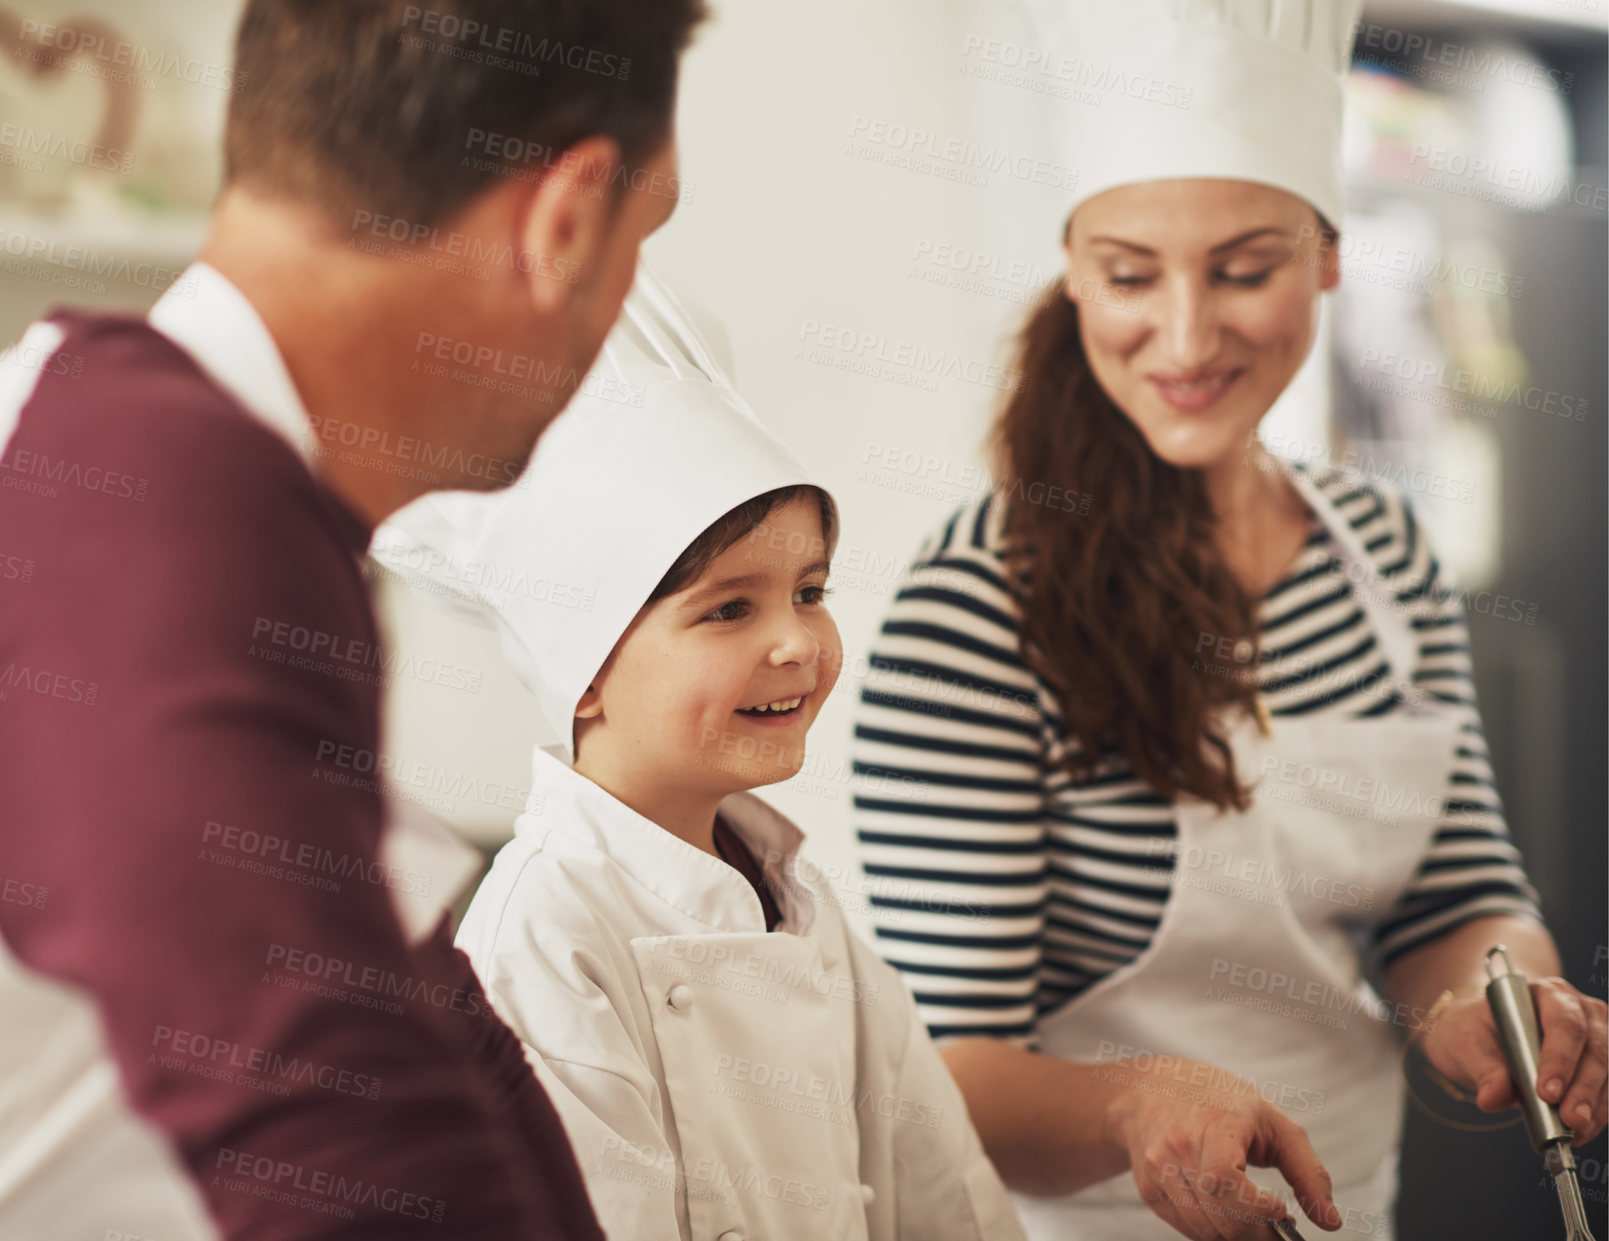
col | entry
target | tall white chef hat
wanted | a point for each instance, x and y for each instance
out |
(1246, 90)
(653, 449)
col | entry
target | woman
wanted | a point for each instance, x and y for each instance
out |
(1182, 770)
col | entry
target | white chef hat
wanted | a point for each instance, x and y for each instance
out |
(651, 451)
(1246, 90)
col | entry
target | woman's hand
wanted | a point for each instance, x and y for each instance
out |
(1571, 1071)
(1189, 1146)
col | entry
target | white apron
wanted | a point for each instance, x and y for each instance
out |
(1256, 966)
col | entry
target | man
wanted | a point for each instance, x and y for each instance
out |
(229, 1006)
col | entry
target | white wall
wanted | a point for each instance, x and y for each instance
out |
(794, 124)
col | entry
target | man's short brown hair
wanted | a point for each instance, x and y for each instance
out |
(411, 110)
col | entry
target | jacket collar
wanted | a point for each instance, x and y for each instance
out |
(218, 328)
(696, 883)
(211, 320)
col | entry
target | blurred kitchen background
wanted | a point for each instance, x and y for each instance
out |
(1463, 357)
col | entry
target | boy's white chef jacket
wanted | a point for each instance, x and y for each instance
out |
(719, 1082)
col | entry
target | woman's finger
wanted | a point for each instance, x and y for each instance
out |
(1177, 1181)
(1157, 1200)
(1299, 1164)
(1494, 1092)
(1465, 1049)
(1600, 1118)
(1155, 1195)
(1584, 1098)
(1238, 1206)
(1563, 1019)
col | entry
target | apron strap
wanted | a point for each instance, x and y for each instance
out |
(1397, 638)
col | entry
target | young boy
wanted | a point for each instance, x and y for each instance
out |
(729, 1060)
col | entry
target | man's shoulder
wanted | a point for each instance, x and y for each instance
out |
(114, 385)
(122, 431)
(135, 485)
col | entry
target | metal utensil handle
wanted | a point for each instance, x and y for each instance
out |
(1514, 1011)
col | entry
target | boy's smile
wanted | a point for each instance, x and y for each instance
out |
(777, 711)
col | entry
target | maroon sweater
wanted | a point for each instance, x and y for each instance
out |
(141, 702)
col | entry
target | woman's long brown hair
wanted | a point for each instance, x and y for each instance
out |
(1121, 606)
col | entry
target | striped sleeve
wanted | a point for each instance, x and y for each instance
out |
(1471, 869)
(949, 789)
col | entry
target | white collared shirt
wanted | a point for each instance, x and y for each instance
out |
(205, 315)
(698, 884)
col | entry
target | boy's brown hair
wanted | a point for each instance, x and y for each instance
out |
(737, 524)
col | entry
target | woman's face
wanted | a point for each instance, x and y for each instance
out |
(1197, 306)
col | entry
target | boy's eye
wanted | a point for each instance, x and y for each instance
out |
(737, 609)
(731, 610)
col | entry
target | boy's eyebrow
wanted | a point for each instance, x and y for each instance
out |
(747, 579)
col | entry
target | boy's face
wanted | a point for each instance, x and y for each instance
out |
(675, 704)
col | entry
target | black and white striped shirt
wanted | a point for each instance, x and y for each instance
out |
(1002, 889)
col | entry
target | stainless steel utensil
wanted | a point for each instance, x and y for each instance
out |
(1509, 995)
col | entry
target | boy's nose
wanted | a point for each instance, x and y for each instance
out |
(795, 644)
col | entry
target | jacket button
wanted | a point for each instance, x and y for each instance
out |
(681, 999)
(868, 1195)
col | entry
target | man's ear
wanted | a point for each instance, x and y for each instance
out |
(591, 704)
(566, 220)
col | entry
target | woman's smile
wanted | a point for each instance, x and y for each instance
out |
(1194, 394)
